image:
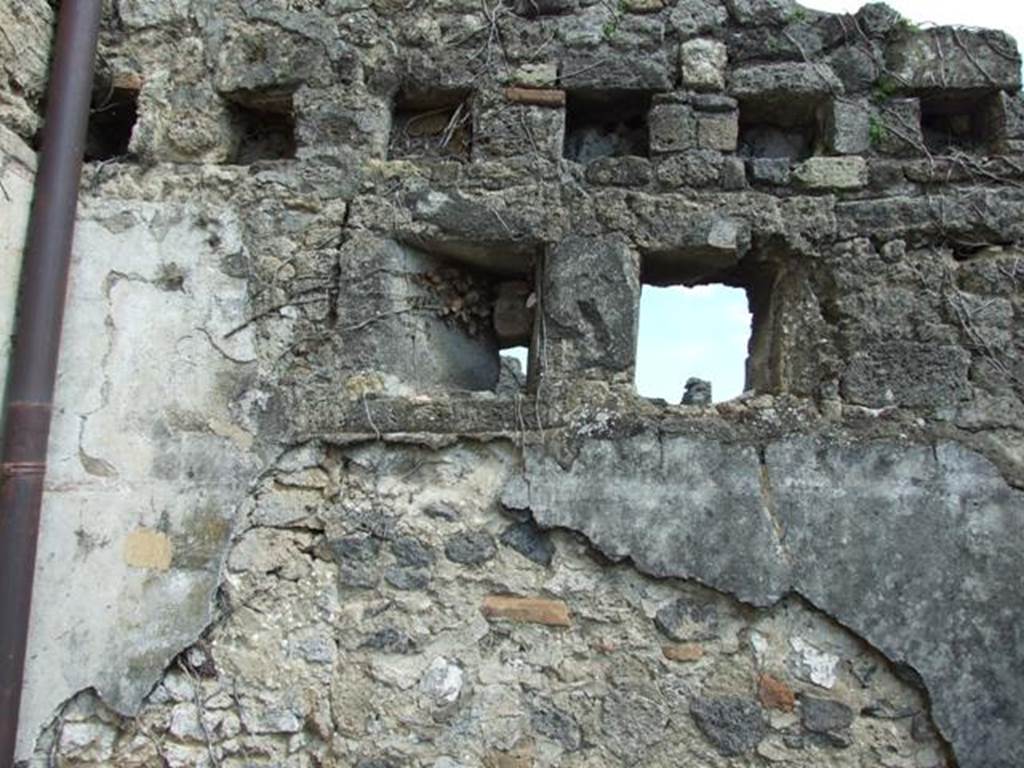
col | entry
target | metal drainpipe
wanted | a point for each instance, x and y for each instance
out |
(33, 364)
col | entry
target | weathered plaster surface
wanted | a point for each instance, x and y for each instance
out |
(379, 608)
(147, 460)
(887, 537)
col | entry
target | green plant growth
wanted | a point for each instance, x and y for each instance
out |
(876, 131)
(612, 25)
(885, 88)
(905, 27)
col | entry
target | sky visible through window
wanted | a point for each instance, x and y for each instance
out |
(684, 332)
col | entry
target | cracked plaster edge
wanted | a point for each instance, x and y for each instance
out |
(783, 592)
(30, 743)
(349, 441)
(917, 682)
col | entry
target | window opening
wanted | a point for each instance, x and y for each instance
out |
(688, 333)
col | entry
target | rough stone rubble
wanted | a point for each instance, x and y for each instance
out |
(301, 512)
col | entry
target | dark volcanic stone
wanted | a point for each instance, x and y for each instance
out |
(470, 547)
(410, 552)
(683, 620)
(530, 542)
(735, 726)
(824, 715)
(555, 724)
(377, 762)
(407, 578)
(356, 557)
(389, 640)
(354, 548)
(440, 510)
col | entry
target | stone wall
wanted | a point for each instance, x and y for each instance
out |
(301, 512)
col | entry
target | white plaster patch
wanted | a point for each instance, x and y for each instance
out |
(760, 645)
(815, 665)
(17, 163)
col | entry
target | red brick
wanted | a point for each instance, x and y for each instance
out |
(775, 694)
(538, 97)
(527, 610)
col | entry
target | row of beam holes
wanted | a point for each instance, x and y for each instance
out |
(438, 125)
(948, 123)
(610, 124)
(614, 124)
(264, 126)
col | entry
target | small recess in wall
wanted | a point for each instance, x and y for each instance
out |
(957, 122)
(436, 124)
(111, 122)
(264, 126)
(606, 124)
(769, 130)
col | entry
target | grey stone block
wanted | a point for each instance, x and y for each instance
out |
(953, 59)
(832, 173)
(908, 374)
(697, 392)
(626, 171)
(502, 130)
(758, 12)
(896, 128)
(672, 127)
(718, 131)
(591, 302)
(773, 81)
(1006, 121)
(848, 126)
(770, 170)
(702, 64)
(695, 168)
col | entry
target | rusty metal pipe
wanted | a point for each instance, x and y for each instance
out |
(33, 364)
